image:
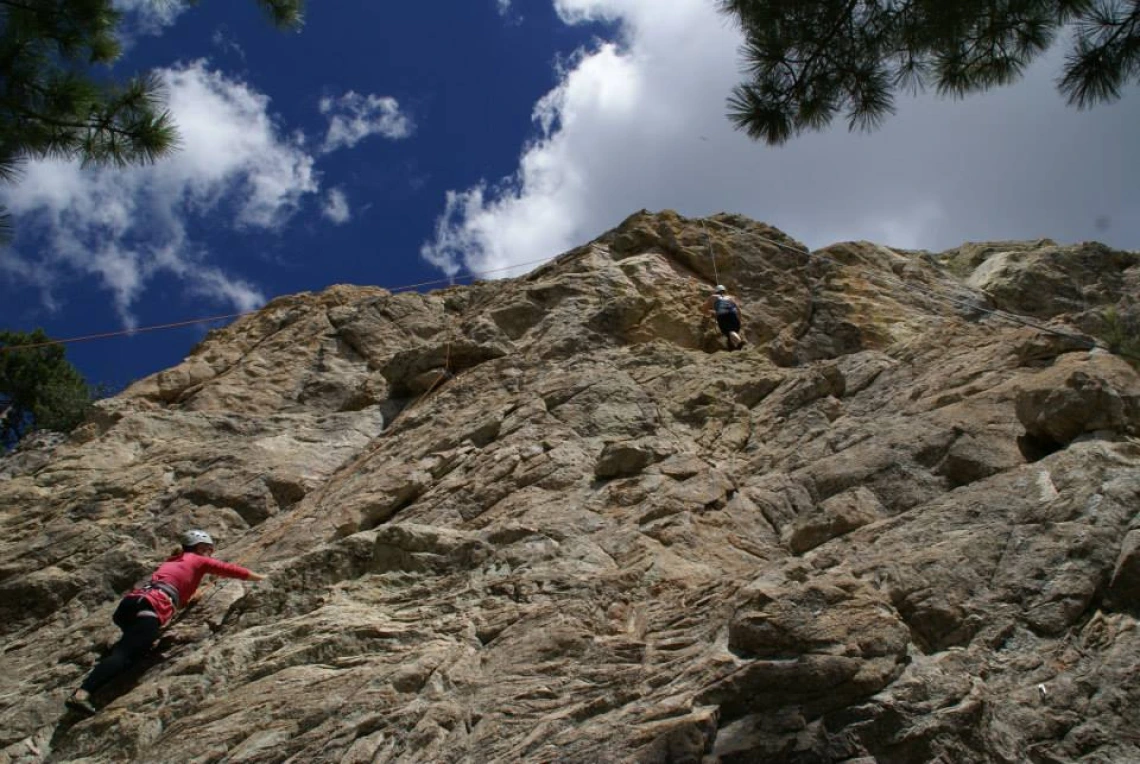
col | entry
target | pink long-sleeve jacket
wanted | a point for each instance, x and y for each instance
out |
(184, 571)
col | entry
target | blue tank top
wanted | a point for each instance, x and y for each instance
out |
(724, 305)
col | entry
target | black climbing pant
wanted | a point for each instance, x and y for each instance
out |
(140, 632)
(728, 322)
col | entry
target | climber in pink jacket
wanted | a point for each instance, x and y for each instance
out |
(144, 611)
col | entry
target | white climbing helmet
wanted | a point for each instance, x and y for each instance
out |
(196, 537)
(720, 289)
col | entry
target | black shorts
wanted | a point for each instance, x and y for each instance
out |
(728, 322)
(129, 609)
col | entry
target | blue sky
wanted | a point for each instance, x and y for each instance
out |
(396, 143)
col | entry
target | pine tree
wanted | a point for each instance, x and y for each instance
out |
(39, 388)
(807, 61)
(57, 100)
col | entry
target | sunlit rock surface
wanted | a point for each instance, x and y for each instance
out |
(551, 519)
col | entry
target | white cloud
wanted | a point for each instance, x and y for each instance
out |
(225, 42)
(27, 272)
(354, 117)
(508, 12)
(124, 227)
(229, 144)
(147, 17)
(336, 207)
(639, 122)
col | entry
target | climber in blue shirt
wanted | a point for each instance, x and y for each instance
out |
(727, 313)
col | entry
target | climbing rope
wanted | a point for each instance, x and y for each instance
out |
(712, 255)
(441, 378)
(213, 587)
(207, 319)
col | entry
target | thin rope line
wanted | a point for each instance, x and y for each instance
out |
(708, 244)
(121, 332)
(207, 319)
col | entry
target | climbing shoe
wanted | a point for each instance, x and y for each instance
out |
(85, 707)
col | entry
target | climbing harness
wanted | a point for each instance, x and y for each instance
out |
(167, 589)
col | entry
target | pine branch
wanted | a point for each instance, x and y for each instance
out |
(803, 63)
(28, 8)
(51, 103)
(1095, 71)
(285, 14)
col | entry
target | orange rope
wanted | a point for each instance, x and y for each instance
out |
(244, 559)
(440, 378)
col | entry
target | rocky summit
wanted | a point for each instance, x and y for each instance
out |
(551, 519)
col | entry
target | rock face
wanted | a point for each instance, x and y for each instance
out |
(549, 519)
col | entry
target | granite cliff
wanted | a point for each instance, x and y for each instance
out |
(550, 519)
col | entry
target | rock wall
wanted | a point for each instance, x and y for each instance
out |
(550, 519)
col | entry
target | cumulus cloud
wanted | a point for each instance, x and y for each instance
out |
(637, 121)
(353, 117)
(336, 207)
(124, 227)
